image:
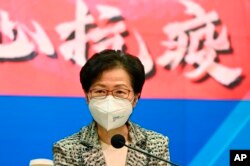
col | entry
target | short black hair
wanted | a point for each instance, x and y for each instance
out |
(110, 59)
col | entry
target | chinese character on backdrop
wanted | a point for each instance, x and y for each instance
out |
(193, 42)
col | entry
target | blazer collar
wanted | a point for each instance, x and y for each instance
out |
(89, 135)
(89, 138)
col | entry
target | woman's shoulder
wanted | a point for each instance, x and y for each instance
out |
(150, 135)
(86, 133)
(68, 141)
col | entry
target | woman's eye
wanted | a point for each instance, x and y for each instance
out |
(120, 92)
(100, 91)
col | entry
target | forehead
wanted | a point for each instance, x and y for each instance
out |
(116, 77)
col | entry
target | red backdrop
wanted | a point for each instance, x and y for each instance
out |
(44, 43)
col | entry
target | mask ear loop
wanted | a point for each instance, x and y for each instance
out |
(87, 97)
(134, 101)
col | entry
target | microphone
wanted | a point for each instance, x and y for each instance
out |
(118, 141)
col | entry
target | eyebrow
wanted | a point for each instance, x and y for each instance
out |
(121, 85)
(101, 85)
(116, 86)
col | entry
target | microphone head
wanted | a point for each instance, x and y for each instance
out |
(118, 141)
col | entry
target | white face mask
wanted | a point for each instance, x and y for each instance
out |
(110, 112)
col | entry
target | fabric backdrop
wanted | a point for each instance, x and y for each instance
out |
(195, 53)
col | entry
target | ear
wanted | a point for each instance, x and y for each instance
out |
(137, 96)
(86, 97)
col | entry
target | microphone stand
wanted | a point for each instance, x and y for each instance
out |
(150, 155)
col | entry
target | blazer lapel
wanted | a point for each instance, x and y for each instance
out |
(93, 157)
(136, 158)
(92, 153)
(137, 140)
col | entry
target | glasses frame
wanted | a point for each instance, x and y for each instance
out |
(107, 93)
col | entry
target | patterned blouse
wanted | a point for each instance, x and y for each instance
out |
(84, 149)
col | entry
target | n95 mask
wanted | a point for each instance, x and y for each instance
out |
(110, 112)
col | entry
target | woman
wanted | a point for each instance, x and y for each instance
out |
(112, 82)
